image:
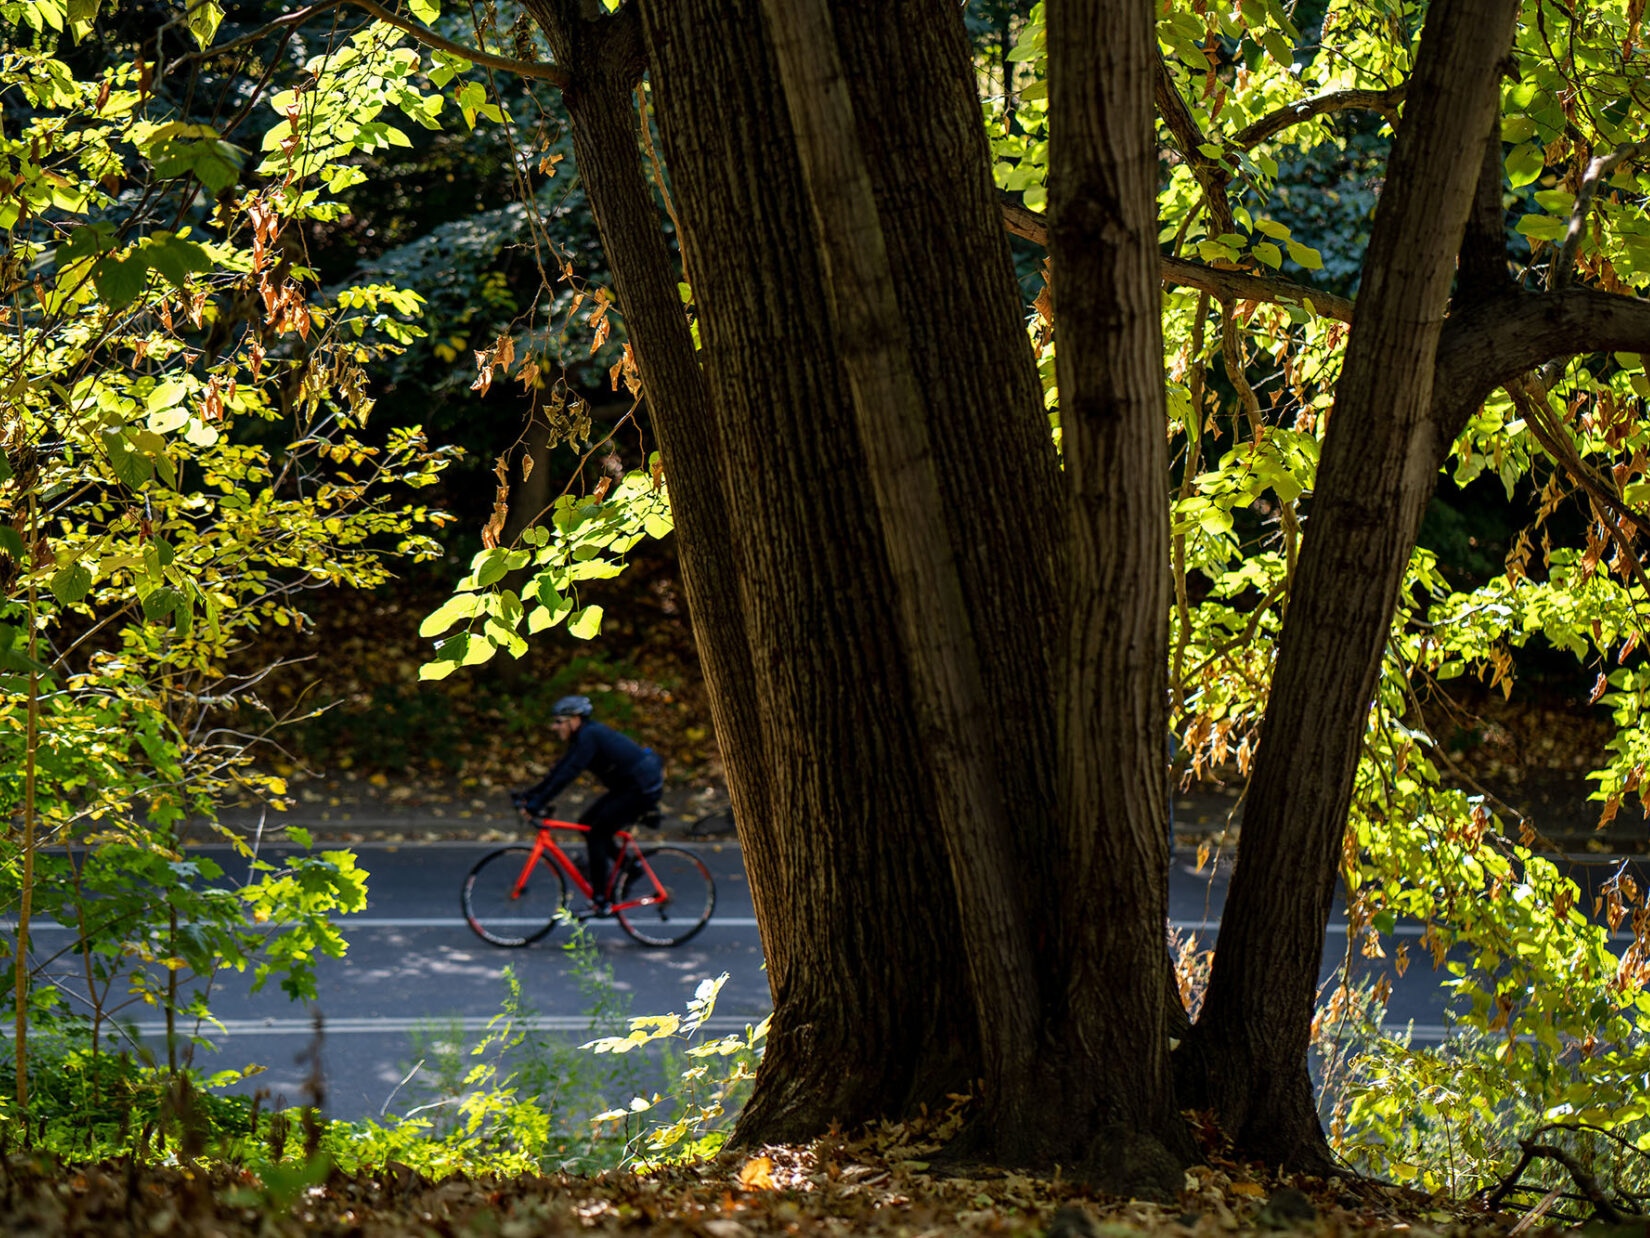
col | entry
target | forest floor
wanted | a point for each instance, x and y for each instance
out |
(882, 1183)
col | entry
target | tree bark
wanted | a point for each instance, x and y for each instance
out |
(1483, 270)
(1112, 1041)
(1491, 342)
(870, 909)
(1377, 471)
(936, 636)
(876, 1014)
(603, 58)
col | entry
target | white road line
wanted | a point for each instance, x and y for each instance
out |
(389, 1024)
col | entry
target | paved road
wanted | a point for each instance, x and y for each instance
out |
(414, 966)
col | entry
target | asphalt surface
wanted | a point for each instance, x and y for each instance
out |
(416, 974)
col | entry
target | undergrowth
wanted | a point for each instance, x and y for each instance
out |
(519, 1100)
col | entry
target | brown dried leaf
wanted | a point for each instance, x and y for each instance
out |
(501, 504)
(484, 372)
(757, 1174)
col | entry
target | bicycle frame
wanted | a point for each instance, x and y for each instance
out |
(546, 849)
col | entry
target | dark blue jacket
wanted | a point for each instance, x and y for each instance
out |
(619, 761)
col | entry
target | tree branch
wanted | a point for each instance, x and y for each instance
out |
(1558, 274)
(1491, 343)
(1226, 285)
(1607, 1211)
(1211, 177)
(1382, 101)
(553, 74)
(1221, 284)
(1563, 263)
(1483, 265)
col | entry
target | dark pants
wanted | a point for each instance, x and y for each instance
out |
(613, 811)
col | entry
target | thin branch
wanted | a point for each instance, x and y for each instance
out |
(1382, 101)
(1563, 263)
(1607, 1211)
(1532, 405)
(1226, 285)
(659, 177)
(554, 74)
(1220, 284)
(1210, 175)
(1558, 274)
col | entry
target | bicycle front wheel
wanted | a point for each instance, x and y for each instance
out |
(499, 912)
(678, 892)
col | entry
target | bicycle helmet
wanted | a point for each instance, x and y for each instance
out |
(572, 707)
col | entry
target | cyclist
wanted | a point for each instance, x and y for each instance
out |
(633, 775)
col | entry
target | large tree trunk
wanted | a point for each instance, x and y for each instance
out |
(604, 59)
(1111, 1046)
(936, 637)
(1378, 468)
(874, 1013)
(871, 1007)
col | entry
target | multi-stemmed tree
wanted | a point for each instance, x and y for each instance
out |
(940, 655)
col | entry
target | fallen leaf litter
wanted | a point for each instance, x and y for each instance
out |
(890, 1181)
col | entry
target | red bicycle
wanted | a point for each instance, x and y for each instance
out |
(660, 895)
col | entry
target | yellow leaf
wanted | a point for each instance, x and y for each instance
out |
(757, 1174)
(1248, 1188)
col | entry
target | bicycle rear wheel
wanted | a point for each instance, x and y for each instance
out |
(689, 897)
(501, 916)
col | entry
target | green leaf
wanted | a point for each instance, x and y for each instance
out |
(1268, 253)
(71, 583)
(167, 394)
(488, 566)
(595, 569)
(167, 419)
(425, 11)
(204, 16)
(455, 609)
(587, 623)
(437, 670)
(554, 609)
(1306, 256)
(1215, 521)
(1278, 47)
(1541, 227)
(159, 604)
(89, 241)
(120, 281)
(11, 541)
(176, 258)
(1525, 164)
(133, 468)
